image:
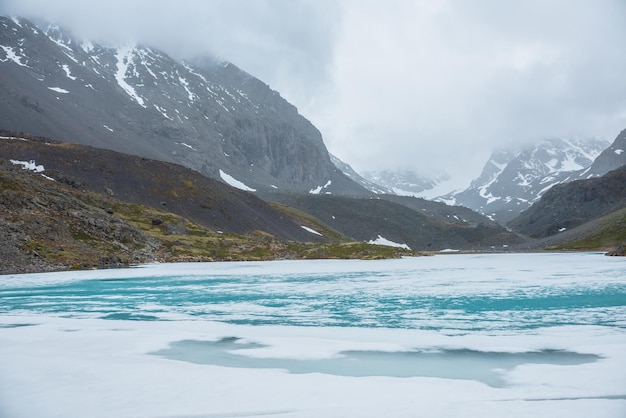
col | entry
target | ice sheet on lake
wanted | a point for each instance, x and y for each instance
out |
(60, 358)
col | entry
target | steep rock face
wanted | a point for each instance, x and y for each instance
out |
(512, 181)
(209, 116)
(566, 206)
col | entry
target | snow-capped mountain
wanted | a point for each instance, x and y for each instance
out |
(512, 180)
(207, 115)
(406, 182)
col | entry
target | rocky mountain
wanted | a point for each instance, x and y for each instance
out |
(206, 115)
(512, 180)
(566, 206)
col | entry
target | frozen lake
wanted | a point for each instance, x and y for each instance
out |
(521, 335)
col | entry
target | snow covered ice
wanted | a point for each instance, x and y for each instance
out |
(516, 335)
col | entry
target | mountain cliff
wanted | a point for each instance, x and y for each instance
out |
(206, 115)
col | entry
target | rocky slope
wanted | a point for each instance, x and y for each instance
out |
(209, 116)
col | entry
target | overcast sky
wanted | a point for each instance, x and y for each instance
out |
(400, 84)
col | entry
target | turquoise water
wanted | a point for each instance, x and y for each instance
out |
(453, 292)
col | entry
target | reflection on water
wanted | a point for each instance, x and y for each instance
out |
(486, 367)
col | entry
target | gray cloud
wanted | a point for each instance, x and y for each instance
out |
(431, 84)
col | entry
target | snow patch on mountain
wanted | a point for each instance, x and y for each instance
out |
(11, 55)
(124, 58)
(230, 180)
(29, 165)
(311, 230)
(59, 90)
(67, 71)
(32, 166)
(318, 189)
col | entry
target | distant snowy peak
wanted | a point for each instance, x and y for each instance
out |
(513, 179)
(493, 168)
(406, 182)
